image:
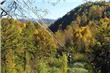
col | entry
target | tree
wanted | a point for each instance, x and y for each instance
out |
(101, 49)
(42, 67)
(82, 37)
(11, 42)
(23, 45)
(22, 8)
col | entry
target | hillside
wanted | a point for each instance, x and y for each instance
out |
(83, 14)
(20, 37)
(80, 42)
(86, 30)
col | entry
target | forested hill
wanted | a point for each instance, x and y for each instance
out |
(83, 14)
(82, 47)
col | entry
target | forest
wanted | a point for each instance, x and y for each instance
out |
(79, 43)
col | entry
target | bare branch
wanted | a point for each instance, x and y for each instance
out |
(2, 2)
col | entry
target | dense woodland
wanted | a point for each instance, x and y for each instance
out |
(26, 47)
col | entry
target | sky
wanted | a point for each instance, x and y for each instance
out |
(54, 11)
(60, 9)
(55, 8)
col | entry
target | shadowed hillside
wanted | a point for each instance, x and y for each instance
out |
(83, 14)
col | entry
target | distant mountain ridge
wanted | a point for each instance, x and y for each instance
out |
(43, 20)
(47, 21)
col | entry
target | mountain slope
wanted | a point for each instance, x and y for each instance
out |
(83, 14)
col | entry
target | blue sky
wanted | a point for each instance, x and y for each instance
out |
(53, 11)
(60, 9)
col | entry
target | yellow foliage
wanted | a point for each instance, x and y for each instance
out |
(78, 56)
(84, 34)
(36, 31)
(10, 65)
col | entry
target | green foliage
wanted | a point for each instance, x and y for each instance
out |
(27, 47)
(58, 65)
(42, 67)
(101, 48)
(86, 34)
(11, 41)
(82, 15)
(21, 47)
(81, 67)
